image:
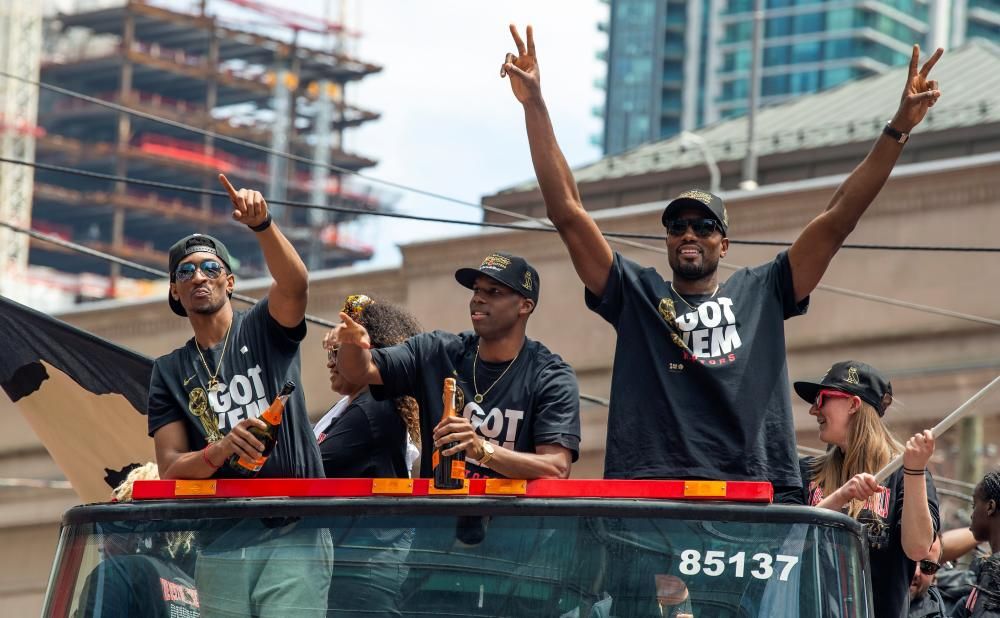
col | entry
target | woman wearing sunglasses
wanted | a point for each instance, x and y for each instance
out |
(901, 516)
(361, 437)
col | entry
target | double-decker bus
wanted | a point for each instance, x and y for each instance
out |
(524, 549)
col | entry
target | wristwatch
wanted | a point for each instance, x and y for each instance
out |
(895, 134)
(488, 452)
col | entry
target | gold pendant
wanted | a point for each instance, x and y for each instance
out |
(478, 398)
(213, 385)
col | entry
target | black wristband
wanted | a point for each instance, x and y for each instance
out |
(914, 472)
(895, 134)
(263, 226)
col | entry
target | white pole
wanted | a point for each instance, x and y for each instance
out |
(940, 428)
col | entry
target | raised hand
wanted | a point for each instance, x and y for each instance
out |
(918, 451)
(353, 333)
(249, 206)
(522, 70)
(920, 93)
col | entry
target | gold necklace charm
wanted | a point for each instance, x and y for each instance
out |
(213, 381)
(685, 301)
(478, 398)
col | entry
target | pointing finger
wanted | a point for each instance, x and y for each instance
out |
(517, 40)
(914, 59)
(531, 41)
(931, 62)
(229, 187)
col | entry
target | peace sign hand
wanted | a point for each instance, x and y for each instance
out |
(352, 333)
(920, 93)
(523, 68)
(249, 206)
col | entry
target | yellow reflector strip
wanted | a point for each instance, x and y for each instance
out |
(463, 491)
(392, 486)
(194, 488)
(507, 487)
(707, 489)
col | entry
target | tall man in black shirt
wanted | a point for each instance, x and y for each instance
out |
(519, 402)
(699, 387)
(204, 397)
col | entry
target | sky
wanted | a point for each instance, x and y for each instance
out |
(449, 122)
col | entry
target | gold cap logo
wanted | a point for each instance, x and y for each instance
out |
(527, 280)
(852, 376)
(701, 196)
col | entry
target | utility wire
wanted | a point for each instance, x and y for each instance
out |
(342, 170)
(541, 225)
(546, 227)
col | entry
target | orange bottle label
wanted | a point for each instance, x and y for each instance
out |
(435, 458)
(254, 465)
(273, 414)
(458, 469)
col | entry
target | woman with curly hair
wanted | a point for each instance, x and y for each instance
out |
(900, 516)
(361, 437)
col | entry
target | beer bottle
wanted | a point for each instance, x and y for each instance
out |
(449, 470)
(268, 437)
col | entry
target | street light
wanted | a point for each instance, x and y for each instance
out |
(690, 139)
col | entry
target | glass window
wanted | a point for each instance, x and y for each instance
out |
(808, 22)
(778, 26)
(774, 85)
(778, 55)
(807, 52)
(525, 565)
(803, 82)
(833, 77)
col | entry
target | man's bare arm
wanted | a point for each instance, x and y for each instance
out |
(589, 250)
(815, 247)
(354, 359)
(286, 301)
(176, 460)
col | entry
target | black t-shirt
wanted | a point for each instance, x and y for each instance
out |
(138, 586)
(983, 601)
(260, 357)
(368, 440)
(719, 409)
(882, 516)
(536, 402)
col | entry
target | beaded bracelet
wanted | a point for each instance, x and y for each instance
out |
(204, 456)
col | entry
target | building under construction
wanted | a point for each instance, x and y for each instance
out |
(250, 78)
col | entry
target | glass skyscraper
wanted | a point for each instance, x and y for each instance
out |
(677, 65)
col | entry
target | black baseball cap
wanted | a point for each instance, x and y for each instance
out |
(855, 378)
(510, 270)
(194, 243)
(709, 202)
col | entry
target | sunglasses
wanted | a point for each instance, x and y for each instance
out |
(210, 268)
(331, 354)
(831, 394)
(929, 567)
(702, 227)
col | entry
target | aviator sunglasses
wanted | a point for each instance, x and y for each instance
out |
(210, 268)
(831, 394)
(929, 567)
(702, 227)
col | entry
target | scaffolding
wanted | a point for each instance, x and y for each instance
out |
(21, 31)
(204, 71)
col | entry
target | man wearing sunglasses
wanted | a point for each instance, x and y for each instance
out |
(206, 395)
(925, 599)
(699, 383)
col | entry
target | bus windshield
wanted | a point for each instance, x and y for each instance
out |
(391, 558)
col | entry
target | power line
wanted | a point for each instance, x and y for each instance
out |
(541, 225)
(877, 123)
(130, 264)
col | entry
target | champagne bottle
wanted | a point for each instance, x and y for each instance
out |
(268, 437)
(449, 470)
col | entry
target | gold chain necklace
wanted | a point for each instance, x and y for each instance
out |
(213, 382)
(479, 398)
(684, 300)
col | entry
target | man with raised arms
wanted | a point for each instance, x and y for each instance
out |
(699, 385)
